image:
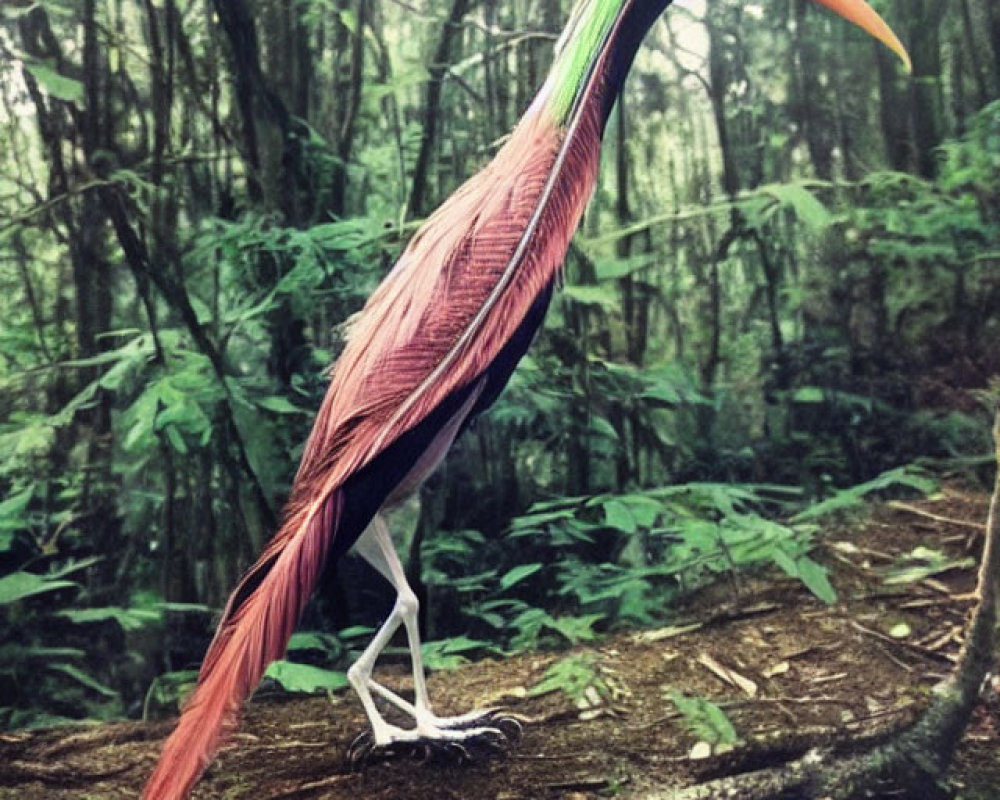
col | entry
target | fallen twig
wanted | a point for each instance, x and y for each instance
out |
(900, 506)
(728, 675)
(916, 648)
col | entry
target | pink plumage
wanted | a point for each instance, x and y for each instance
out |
(435, 325)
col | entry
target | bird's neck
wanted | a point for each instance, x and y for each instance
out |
(595, 52)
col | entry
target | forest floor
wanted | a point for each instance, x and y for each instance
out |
(800, 674)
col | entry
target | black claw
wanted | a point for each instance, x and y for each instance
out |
(458, 752)
(510, 728)
(502, 727)
(359, 749)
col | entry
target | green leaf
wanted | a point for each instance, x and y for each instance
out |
(186, 608)
(663, 393)
(601, 427)
(572, 676)
(176, 440)
(17, 653)
(704, 719)
(600, 296)
(923, 562)
(451, 653)
(802, 203)
(56, 85)
(612, 268)
(169, 690)
(19, 585)
(808, 394)
(12, 509)
(618, 516)
(906, 476)
(280, 405)
(518, 574)
(816, 579)
(645, 510)
(575, 629)
(356, 631)
(349, 19)
(83, 678)
(130, 619)
(529, 523)
(72, 566)
(308, 640)
(786, 563)
(304, 677)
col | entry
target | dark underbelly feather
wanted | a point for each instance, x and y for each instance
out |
(365, 492)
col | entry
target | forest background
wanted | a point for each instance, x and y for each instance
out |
(785, 295)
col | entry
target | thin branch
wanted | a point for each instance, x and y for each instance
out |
(48, 205)
(900, 506)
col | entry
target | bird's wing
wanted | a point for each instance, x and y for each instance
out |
(457, 294)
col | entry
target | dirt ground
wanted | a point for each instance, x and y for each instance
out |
(799, 673)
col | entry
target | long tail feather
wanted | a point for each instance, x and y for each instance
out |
(254, 631)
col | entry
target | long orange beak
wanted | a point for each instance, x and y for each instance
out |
(862, 15)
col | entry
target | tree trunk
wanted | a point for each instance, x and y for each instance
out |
(812, 109)
(345, 136)
(971, 48)
(927, 106)
(892, 111)
(447, 49)
(993, 18)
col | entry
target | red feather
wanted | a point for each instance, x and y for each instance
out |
(436, 323)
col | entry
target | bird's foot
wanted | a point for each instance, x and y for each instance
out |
(448, 740)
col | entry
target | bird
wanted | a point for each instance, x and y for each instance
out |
(430, 350)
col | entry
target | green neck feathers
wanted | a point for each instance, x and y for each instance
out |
(580, 43)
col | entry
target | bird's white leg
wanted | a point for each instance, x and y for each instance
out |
(376, 547)
(360, 676)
